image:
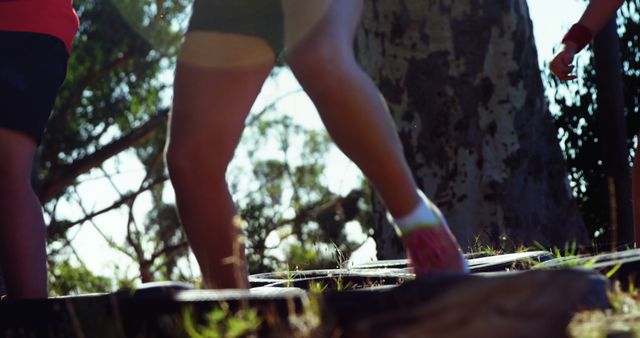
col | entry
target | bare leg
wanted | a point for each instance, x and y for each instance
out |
(22, 230)
(321, 56)
(213, 94)
(350, 105)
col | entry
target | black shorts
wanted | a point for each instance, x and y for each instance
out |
(261, 18)
(32, 68)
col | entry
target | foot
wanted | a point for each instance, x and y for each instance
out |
(433, 248)
(430, 245)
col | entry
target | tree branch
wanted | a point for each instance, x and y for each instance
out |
(57, 182)
(252, 119)
(90, 78)
(126, 198)
(97, 228)
(169, 251)
(310, 213)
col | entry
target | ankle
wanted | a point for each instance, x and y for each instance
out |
(425, 214)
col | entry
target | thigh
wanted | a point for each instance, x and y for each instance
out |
(215, 50)
(32, 68)
(212, 98)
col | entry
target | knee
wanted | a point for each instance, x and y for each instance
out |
(189, 164)
(16, 160)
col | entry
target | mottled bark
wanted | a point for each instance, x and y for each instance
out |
(462, 81)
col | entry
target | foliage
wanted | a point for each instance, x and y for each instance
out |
(222, 323)
(289, 197)
(577, 125)
(66, 279)
(249, 322)
(620, 321)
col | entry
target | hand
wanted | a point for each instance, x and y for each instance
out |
(561, 65)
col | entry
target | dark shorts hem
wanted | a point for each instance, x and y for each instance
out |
(32, 68)
(263, 19)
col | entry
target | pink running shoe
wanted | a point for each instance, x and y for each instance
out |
(432, 249)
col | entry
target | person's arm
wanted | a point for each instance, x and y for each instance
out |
(597, 14)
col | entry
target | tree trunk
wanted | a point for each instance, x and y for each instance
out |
(463, 85)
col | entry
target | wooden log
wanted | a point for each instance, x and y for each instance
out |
(528, 304)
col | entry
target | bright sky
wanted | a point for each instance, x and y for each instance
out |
(551, 18)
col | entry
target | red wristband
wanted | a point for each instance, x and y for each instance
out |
(580, 35)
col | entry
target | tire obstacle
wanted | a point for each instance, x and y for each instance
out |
(350, 296)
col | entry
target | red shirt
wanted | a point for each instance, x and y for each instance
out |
(52, 17)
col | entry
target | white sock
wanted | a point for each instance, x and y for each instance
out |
(425, 213)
